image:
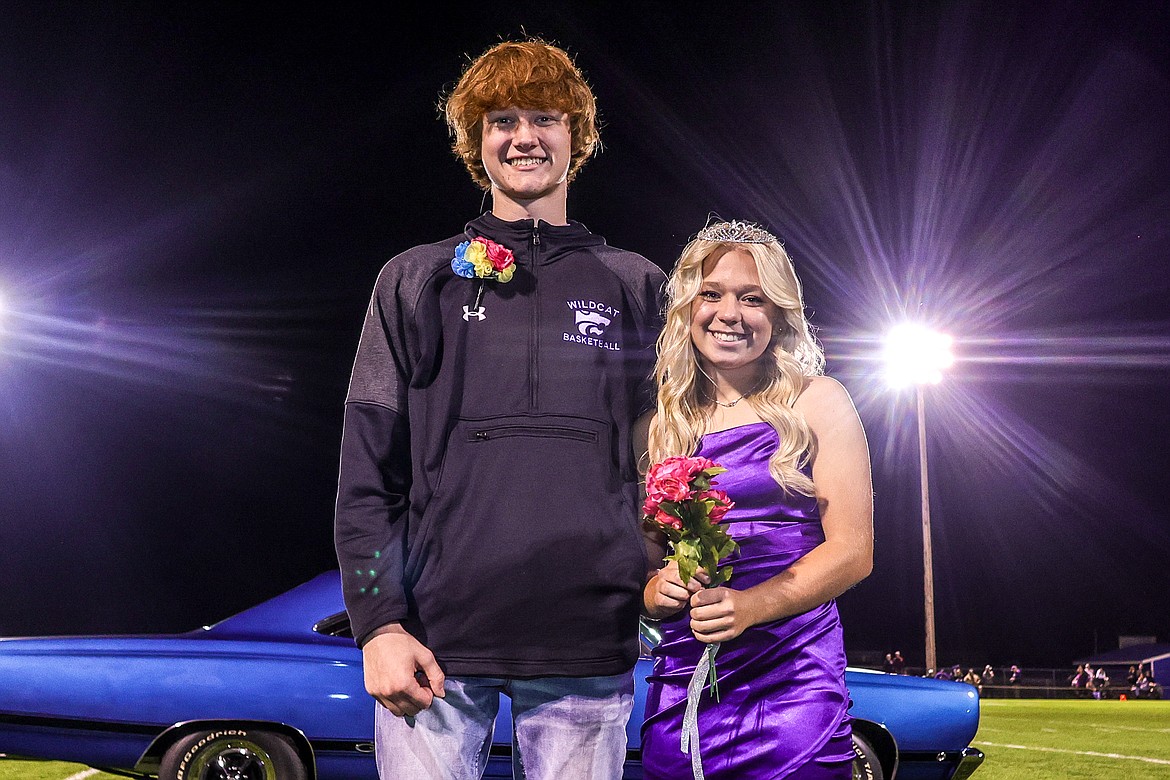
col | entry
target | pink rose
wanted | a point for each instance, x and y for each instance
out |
(500, 256)
(676, 467)
(662, 518)
(702, 464)
(670, 480)
(722, 503)
(669, 489)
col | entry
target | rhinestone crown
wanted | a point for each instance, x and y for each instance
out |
(736, 232)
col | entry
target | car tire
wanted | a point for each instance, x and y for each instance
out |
(865, 761)
(226, 753)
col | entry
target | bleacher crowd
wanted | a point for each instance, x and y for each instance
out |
(1085, 681)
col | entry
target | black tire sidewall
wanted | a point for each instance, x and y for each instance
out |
(285, 761)
(865, 759)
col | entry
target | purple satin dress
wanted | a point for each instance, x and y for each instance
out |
(782, 709)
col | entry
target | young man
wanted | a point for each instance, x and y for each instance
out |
(486, 523)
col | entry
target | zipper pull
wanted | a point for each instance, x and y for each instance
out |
(536, 235)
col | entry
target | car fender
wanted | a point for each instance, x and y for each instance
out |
(882, 741)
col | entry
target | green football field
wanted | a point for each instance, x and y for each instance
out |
(1066, 740)
(1023, 740)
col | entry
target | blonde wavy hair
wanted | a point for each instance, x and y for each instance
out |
(684, 392)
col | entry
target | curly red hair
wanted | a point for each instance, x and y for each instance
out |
(529, 74)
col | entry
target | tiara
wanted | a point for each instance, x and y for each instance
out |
(736, 232)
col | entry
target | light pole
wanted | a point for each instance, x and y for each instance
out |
(916, 356)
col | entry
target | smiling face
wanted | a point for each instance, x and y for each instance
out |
(526, 153)
(732, 322)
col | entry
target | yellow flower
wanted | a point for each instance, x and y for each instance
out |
(477, 256)
(506, 275)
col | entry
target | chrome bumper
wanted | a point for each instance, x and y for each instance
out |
(968, 763)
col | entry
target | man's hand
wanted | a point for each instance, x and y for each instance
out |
(401, 673)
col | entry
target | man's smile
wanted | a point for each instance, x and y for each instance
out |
(527, 162)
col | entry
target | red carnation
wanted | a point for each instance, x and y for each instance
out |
(500, 256)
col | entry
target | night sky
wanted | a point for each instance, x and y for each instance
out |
(195, 200)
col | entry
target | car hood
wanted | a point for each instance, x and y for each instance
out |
(281, 618)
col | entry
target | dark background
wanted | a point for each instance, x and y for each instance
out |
(195, 200)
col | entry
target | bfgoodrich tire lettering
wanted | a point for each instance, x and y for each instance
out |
(865, 761)
(232, 754)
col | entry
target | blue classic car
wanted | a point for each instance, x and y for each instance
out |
(276, 693)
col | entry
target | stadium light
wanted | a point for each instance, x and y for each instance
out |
(916, 355)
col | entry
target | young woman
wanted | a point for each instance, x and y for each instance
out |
(739, 377)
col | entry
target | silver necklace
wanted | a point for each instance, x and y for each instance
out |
(725, 404)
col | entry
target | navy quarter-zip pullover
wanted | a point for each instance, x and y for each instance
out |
(488, 490)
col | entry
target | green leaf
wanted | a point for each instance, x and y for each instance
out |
(721, 576)
(670, 532)
(726, 546)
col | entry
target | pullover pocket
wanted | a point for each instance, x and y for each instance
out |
(495, 432)
(528, 552)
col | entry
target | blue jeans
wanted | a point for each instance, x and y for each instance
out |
(563, 728)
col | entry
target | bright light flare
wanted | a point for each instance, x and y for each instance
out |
(916, 355)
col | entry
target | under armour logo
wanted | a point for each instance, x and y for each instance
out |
(478, 313)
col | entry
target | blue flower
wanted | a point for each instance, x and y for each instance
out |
(459, 265)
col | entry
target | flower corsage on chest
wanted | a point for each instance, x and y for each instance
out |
(485, 260)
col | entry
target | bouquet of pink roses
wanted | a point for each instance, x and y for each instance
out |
(682, 504)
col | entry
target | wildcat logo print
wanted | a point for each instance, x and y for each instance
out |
(590, 323)
(591, 320)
